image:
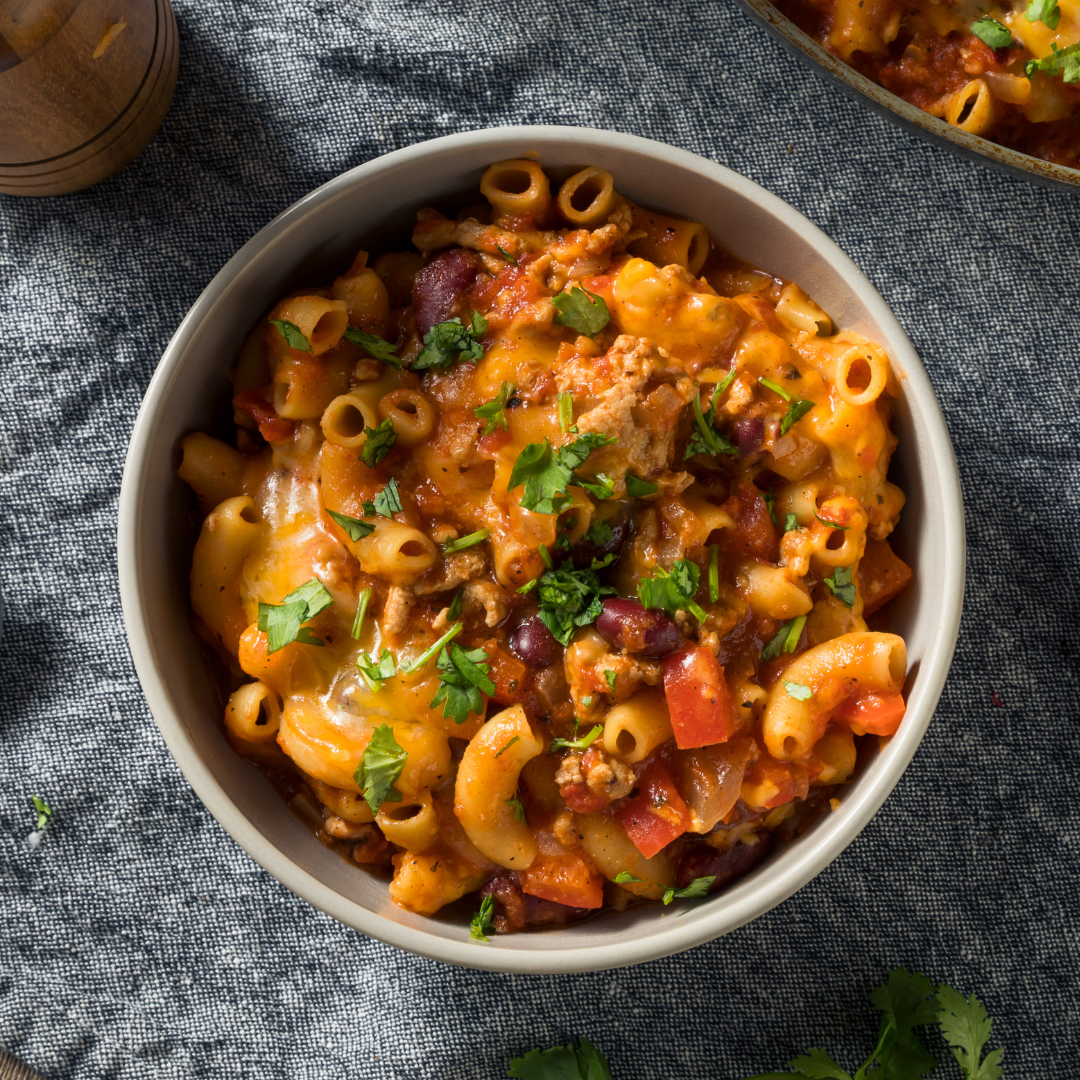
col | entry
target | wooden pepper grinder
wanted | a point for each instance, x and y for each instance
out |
(84, 85)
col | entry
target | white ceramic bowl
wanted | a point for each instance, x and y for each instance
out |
(312, 241)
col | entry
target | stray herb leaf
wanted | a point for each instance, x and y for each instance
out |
(506, 746)
(581, 743)
(361, 612)
(1045, 11)
(463, 542)
(388, 502)
(841, 585)
(447, 342)
(482, 922)
(697, 888)
(294, 337)
(673, 591)
(637, 488)
(786, 639)
(581, 310)
(374, 346)
(379, 768)
(376, 671)
(281, 622)
(798, 691)
(991, 32)
(378, 443)
(354, 528)
(494, 411)
(463, 675)
(624, 877)
(44, 812)
(519, 810)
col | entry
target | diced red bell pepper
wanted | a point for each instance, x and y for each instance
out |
(873, 712)
(702, 712)
(507, 673)
(565, 879)
(272, 427)
(769, 783)
(657, 814)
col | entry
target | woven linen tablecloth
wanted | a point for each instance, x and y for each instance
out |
(139, 941)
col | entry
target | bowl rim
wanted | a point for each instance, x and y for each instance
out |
(929, 128)
(802, 862)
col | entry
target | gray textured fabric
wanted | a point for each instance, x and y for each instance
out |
(138, 941)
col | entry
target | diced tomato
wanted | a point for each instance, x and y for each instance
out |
(769, 783)
(507, 673)
(582, 799)
(490, 445)
(872, 712)
(657, 814)
(272, 427)
(565, 879)
(702, 712)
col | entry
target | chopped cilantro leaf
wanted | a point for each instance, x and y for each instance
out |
(600, 487)
(454, 610)
(714, 573)
(842, 586)
(482, 922)
(1064, 62)
(506, 746)
(566, 411)
(831, 524)
(991, 32)
(1045, 11)
(791, 523)
(568, 599)
(361, 612)
(729, 378)
(697, 888)
(562, 1063)
(798, 691)
(379, 768)
(494, 411)
(378, 443)
(582, 743)
(375, 672)
(547, 472)
(44, 812)
(447, 342)
(581, 310)
(463, 675)
(611, 677)
(374, 346)
(706, 439)
(637, 488)
(519, 810)
(587, 701)
(776, 388)
(463, 542)
(624, 877)
(506, 255)
(388, 502)
(354, 528)
(479, 325)
(281, 622)
(786, 639)
(599, 533)
(673, 591)
(431, 650)
(797, 409)
(294, 337)
(769, 499)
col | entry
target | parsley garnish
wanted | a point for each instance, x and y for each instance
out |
(506, 255)
(361, 612)
(791, 523)
(388, 502)
(44, 812)
(568, 599)
(519, 810)
(841, 585)
(1064, 62)
(637, 488)
(463, 675)
(463, 542)
(624, 877)
(706, 439)
(447, 342)
(581, 310)
(375, 672)
(966, 1029)
(294, 337)
(695, 890)
(378, 443)
(786, 639)
(1045, 11)
(673, 591)
(281, 622)
(494, 411)
(797, 408)
(379, 769)
(374, 346)
(611, 677)
(482, 922)
(991, 32)
(562, 1063)
(547, 472)
(582, 743)
(506, 746)
(566, 411)
(355, 528)
(798, 691)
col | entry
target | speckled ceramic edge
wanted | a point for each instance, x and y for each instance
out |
(156, 640)
(920, 123)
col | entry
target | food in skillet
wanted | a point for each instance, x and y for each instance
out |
(543, 557)
(1007, 72)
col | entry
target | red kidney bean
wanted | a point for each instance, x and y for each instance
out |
(584, 551)
(535, 643)
(438, 285)
(630, 626)
(725, 866)
(747, 433)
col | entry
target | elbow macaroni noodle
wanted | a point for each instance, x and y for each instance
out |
(460, 674)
